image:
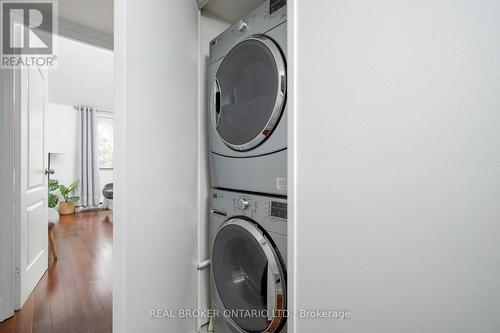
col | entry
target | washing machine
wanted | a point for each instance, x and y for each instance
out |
(248, 262)
(247, 87)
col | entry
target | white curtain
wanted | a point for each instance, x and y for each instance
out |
(87, 163)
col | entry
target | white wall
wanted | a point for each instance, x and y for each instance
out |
(84, 75)
(105, 177)
(396, 172)
(155, 206)
(62, 138)
(210, 27)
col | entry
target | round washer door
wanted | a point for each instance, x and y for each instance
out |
(249, 277)
(249, 92)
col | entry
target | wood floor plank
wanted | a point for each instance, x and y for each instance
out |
(24, 317)
(75, 294)
(41, 307)
(58, 306)
(42, 326)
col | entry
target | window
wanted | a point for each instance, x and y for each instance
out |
(105, 141)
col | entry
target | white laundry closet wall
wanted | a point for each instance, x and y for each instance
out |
(156, 164)
(210, 27)
(396, 164)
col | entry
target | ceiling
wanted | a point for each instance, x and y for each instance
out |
(92, 14)
(231, 10)
(89, 21)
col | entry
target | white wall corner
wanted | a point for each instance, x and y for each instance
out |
(85, 34)
(202, 3)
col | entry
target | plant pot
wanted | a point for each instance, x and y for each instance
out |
(66, 208)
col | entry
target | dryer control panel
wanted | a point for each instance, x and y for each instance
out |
(274, 5)
(268, 211)
(261, 20)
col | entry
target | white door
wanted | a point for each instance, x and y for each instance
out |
(31, 181)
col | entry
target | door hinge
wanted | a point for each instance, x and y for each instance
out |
(18, 272)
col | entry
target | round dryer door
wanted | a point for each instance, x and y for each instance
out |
(249, 277)
(249, 92)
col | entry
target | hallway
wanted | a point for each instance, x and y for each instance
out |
(75, 294)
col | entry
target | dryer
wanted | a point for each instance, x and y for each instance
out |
(248, 262)
(247, 103)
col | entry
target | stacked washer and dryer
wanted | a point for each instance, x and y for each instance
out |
(248, 154)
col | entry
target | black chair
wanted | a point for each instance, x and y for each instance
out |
(107, 191)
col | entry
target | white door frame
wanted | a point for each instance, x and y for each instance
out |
(7, 272)
(292, 163)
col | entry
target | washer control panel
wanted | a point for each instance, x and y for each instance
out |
(269, 211)
(278, 209)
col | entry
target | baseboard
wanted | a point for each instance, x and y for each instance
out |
(87, 210)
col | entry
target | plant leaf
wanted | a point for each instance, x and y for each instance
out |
(53, 200)
(63, 189)
(53, 185)
(64, 192)
(72, 186)
(74, 199)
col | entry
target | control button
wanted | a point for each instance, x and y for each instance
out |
(242, 26)
(242, 204)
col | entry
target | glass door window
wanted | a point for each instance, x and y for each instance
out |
(241, 266)
(250, 92)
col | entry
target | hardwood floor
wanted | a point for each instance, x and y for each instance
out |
(75, 294)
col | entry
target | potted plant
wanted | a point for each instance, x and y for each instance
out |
(67, 206)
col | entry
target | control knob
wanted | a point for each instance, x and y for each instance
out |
(242, 26)
(242, 204)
